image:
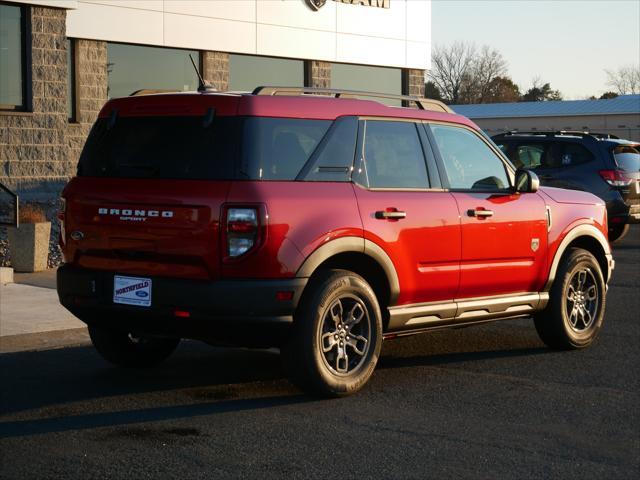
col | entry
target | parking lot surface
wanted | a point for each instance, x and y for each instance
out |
(481, 402)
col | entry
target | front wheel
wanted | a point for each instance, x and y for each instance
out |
(336, 337)
(575, 312)
(128, 350)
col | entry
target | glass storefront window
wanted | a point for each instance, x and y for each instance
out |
(132, 67)
(71, 80)
(370, 79)
(12, 81)
(247, 72)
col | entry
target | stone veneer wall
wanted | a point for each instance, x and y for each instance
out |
(215, 69)
(317, 74)
(413, 82)
(39, 150)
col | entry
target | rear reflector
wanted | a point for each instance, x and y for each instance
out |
(284, 296)
(181, 314)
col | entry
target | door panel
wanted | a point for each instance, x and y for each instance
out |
(424, 245)
(505, 252)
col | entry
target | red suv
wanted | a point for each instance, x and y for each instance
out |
(317, 224)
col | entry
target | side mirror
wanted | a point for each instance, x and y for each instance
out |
(527, 181)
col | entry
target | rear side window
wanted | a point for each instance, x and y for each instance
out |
(627, 157)
(161, 147)
(278, 148)
(528, 155)
(393, 155)
(565, 154)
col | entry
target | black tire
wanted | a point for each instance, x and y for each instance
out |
(126, 350)
(618, 232)
(330, 352)
(571, 324)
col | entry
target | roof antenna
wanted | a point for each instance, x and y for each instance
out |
(202, 85)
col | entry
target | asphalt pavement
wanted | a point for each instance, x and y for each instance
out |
(481, 402)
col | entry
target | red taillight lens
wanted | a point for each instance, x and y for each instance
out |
(242, 230)
(615, 178)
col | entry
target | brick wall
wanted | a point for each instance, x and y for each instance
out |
(413, 82)
(318, 74)
(39, 149)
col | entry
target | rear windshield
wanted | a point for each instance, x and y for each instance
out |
(206, 148)
(627, 157)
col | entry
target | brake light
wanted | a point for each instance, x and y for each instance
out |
(242, 230)
(61, 216)
(615, 178)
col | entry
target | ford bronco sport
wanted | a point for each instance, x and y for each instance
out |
(319, 225)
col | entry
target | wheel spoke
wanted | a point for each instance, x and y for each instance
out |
(571, 293)
(342, 360)
(582, 278)
(328, 341)
(573, 316)
(586, 316)
(591, 293)
(355, 315)
(336, 312)
(354, 341)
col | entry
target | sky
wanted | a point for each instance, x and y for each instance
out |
(568, 43)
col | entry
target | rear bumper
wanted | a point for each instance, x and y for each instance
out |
(241, 312)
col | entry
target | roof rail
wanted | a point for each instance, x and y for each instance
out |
(422, 103)
(550, 133)
(151, 91)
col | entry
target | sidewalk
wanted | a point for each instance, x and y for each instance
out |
(31, 318)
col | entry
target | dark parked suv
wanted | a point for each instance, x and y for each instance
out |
(318, 225)
(602, 164)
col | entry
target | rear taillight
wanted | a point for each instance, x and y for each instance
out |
(615, 178)
(61, 215)
(243, 228)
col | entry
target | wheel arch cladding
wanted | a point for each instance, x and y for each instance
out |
(588, 238)
(360, 256)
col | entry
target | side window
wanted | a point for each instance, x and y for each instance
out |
(393, 155)
(333, 159)
(566, 154)
(468, 161)
(528, 155)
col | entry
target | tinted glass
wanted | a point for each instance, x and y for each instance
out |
(11, 77)
(162, 147)
(468, 161)
(278, 148)
(247, 72)
(334, 159)
(627, 157)
(393, 156)
(71, 80)
(370, 79)
(132, 67)
(564, 154)
(527, 155)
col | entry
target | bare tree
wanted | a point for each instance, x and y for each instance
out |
(464, 74)
(625, 80)
(451, 68)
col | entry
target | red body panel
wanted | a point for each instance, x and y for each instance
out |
(185, 245)
(506, 252)
(424, 247)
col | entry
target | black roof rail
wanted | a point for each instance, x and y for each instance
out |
(422, 103)
(553, 133)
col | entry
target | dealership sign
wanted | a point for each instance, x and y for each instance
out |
(317, 4)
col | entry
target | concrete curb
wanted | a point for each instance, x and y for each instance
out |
(74, 337)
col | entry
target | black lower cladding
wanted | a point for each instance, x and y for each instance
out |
(237, 312)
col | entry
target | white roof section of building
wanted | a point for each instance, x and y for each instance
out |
(399, 36)
(624, 104)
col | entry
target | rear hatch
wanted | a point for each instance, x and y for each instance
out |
(149, 191)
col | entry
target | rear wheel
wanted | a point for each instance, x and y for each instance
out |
(618, 232)
(576, 306)
(337, 335)
(128, 350)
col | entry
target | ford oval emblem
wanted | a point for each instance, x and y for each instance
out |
(77, 235)
(142, 293)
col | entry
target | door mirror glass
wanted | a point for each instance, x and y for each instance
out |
(527, 181)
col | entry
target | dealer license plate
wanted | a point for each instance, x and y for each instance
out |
(132, 291)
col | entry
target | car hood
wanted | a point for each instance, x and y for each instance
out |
(562, 195)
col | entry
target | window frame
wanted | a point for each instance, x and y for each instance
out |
(26, 67)
(508, 168)
(360, 157)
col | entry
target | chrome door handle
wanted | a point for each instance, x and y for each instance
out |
(394, 215)
(480, 213)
